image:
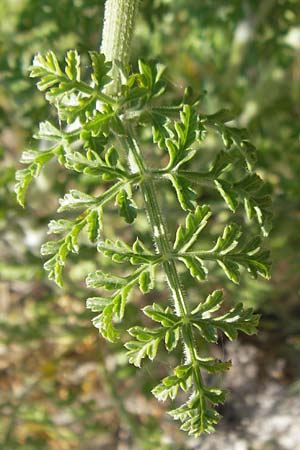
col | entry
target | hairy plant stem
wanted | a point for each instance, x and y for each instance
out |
(119, 21)
(163, 247)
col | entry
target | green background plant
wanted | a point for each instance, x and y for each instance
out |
(197, 55)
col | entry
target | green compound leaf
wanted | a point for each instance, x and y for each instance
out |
(101, 69)
(185, 194)
(76, 200)
(253, 192)
(228, 194)
(232, 137)
(230, 256)
(81, 107)
(50, 132)
(61, 248)
(211, 365)
(250, 191)
(257, 200)
(147, 340)
(184, 137)
(196, 417)
(194, 223)
(211, 304)
(110, 308)
(229, 239)
(36, 161)
(97, 123)
(195, 267)
(145, 345)
(170, 385)
(127, 207)
(72, 68)
(73, 98)
(164, 316)
(105, 280)
(237, 319)
(140, 88)
(222, 163)
(60, 226)
(147, 280)
(250, 256)
(167, 389)
(139, 350)
(92, 219)
(172, 338)
(119, 251)
(90, 162)
(97, 304)
(94, 223)
(104, 323)
(122, 287)
(46, 68)
(107, 139)
(151, 78)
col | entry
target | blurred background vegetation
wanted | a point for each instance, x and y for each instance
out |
(62, 387)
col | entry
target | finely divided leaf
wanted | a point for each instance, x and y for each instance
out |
(228, 241)
(185, 135)
(211, 304)
(145, 345)
(119, 251)
(228, 194)
(147, 280)
(187, 234)
(185, 194)
(172, 338)
(101, 69)
(105, 280)
(211, 365)
(75, 200)
(49, 132)
(170, 385)
(196, 416)
(195, 267)
(37, 160)
(72, 68)
(94, 222)
(127, 207)
(164, 316)
(104, 322)
(237, 319)
(97, 304)
(48, 69)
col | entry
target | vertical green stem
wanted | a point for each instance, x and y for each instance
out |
(160, 233)
(119, 22)
(163, 246)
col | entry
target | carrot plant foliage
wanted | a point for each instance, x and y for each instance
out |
(112, 138)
